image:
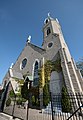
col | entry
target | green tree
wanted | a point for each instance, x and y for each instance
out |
(80, 65)
(48, 68)
(8, 102)
(19, 101)
(11, 94)
(65, 101)
(35, 95)
(46, 94)
(24, 90)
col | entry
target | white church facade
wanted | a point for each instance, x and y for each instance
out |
(33, 57)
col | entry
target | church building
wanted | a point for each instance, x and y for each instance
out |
(33, 57)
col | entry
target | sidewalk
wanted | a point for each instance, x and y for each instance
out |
(4, 116)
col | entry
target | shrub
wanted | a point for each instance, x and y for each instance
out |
(24, 100)
(46, 95)
(33, 100)
(24, 91)
(19, 101)
(11, 94)
(65, 101)
(8, 102)
(37, 102)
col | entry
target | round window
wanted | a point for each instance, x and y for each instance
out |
(50, 45)
(23, 64)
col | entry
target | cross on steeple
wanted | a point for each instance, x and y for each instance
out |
(49, 15)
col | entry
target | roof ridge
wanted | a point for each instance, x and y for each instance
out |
(36, 46)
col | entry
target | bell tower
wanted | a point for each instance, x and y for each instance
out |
(51, 28)
(53, 38)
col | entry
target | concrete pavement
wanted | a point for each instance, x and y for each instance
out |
(4, 116)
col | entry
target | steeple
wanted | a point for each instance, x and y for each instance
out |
(51, 27)
(53, 38)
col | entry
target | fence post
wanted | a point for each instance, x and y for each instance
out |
(28, 103)
(14, 107)
(51, 106)
(27, 108)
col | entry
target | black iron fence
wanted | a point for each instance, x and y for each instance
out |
(67, 107)
(15, 107)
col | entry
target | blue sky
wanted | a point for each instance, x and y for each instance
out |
(20, 18)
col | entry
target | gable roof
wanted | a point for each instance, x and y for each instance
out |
(37, 48)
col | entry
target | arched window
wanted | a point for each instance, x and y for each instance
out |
(47, 21)
(48, 31)
(36, 66)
